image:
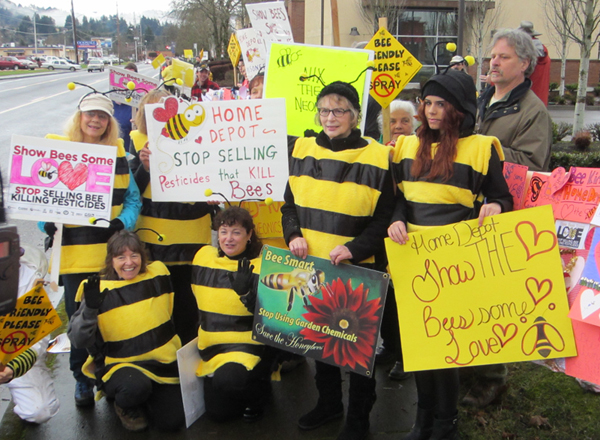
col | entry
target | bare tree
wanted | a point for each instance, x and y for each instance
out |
(558, 14)
(482, 18)
(372, 10)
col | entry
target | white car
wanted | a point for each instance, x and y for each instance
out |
(60, 65)
(95, 65)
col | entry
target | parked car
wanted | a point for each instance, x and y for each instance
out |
(12, 63)
(67, 60)
(60, 65)
(95, 65)
(31, 65)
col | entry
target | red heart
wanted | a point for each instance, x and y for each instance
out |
(539, 243)
(502, 332)
(538, 291)
(72, 177)
(199, 140)
(559, 178)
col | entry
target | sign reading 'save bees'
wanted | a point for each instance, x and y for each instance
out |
(60, 181)
(237, 148)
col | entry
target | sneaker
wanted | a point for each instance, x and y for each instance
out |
(84, 394)
(133, 418)
(482, 394)
(398, 373)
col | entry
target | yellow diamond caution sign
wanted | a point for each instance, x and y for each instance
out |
(394, 67)
(233, 49)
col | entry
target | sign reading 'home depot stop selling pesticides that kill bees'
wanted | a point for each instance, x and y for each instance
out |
(394, 67)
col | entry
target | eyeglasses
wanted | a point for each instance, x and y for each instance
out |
(100, 114)
(337, 112)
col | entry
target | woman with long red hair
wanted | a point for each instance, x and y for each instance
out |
(445, 174)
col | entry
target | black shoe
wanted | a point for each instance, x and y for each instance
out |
(132, 419)
(423, 426)
(398, 373)
(253, 413)
(84, 394)
(320, 415)
(385, 356)
(445, 429)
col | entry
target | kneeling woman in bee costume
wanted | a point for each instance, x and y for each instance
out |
(125, 323)
(236, 368)
(338, 202)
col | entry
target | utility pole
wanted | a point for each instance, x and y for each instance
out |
(74, 32)
(118, 35)
(34, 35)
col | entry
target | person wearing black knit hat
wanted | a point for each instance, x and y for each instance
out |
(442, 191)
(320, 192)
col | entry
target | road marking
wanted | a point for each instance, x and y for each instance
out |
(38, 84)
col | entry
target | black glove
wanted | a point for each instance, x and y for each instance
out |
(242, 282)
(249, 300)
(310, 133)
(91, 292)
(116, 224)
(50, 229)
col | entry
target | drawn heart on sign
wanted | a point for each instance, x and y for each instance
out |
(538, 291)
(199, 140)
(535, 243)
(504, 334)
(72, 177)
(589, 303)
(559, 178)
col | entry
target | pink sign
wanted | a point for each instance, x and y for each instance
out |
(516, 178)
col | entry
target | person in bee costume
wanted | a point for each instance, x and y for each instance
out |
(236, 369)
(125, 322)
(84, 247)
(183, 227)
(444, 175)
(338, 203)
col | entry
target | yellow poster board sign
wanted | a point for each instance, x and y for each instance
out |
(188, 53)
(32, 318)
(394, 67)
(470, 295)
(158, 61)
(288, 62)
(233, 49)
(183, 70)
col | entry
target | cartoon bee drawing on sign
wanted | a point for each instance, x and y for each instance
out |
(177, 125)
(298, 282)
(47, 172)
(287, 57)
(543, 338)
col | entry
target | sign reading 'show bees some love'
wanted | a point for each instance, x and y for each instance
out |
(315, 309)
(119, 78)
(60, 181)
(474, 295)
(237, 148)
(271, 21)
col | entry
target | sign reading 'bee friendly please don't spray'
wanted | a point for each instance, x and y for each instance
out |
(313, 308)
(236, 148)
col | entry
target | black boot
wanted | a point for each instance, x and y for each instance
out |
(329, 406)
(360, 402)
(423, 426)
(445, 429)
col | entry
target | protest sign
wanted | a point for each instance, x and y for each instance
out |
(516, 179)
(119, 78)
(233, 50)
(32, 318)
(289, 62)
(571, 234)
(394, 67)
(183, 71)
(254, 51)
(313, 308)
(158, 61)
(60, 181)
(270, 20)
(267, 218)
(474, 295)
(586, 306)
(236, 148)
(574, 195)
(586, 365)
(188, 53)
(192, 386)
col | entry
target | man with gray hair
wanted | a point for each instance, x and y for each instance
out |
(509, 109)
(514, 114)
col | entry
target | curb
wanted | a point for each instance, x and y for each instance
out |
(31, 75)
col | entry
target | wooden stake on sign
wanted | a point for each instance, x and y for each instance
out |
(335, 23)
(385, 112)
(56, 251)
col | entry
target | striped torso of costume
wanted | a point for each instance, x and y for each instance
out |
(135, 325)
(185, 227)
(437, 202)
(225, 333)
(84, 247)
(336, 192)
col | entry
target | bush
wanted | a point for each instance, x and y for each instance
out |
(561, 100)
(597, 90)
(571, 159)
(572, 88)
(553, 87)
(594, 130)
(582, 140)
(561, 130)
(589, 100)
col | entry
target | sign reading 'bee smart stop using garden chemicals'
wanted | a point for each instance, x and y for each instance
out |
(394, 67)
(313, 308)
(236, 148)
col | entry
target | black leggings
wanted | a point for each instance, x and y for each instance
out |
(438, 390)
(130, 388)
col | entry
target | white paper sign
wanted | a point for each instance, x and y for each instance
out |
(60, 181)
(118, 79)
(236, 148)
(254, 51)
(271, 21)
(192, 386)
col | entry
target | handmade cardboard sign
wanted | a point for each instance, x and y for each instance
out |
(271, 21)
(474, 295)
(586, 365)
(289, 75)
(586, 307)
(254, 51)
(233, 50)
(158, 61)
(119, 78)
(516, 179)
(394, 67)
(267, 218)
(32, 318)
(236, 148)
(313, 308)
(60, 181)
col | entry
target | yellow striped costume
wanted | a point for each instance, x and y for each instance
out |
(186, 226)
(84, 247)
(336, 192)
(225, 333)
(136, 329)
(438, 203)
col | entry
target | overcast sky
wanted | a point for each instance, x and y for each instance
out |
(93, 8)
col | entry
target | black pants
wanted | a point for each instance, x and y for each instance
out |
(163, 402)
(390, 330)
(185, 309)
(437, 390)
